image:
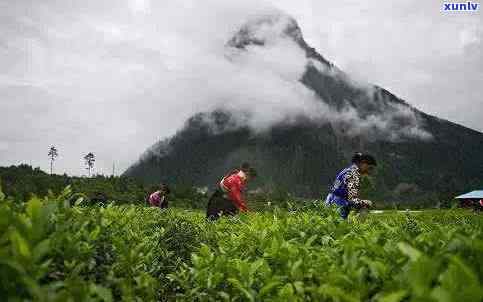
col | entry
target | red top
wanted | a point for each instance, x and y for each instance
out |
(233, 185)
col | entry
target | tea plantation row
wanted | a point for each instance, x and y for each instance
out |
(51, 250)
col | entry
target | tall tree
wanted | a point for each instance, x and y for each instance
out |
(90, 159)
(53, 153)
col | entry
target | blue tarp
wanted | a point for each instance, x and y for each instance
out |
(471, 195)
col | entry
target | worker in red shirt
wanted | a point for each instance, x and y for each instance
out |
(228, 198)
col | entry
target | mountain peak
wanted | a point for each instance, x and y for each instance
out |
(300, 154)
(266, 29)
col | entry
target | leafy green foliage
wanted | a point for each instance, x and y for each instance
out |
(52, 249)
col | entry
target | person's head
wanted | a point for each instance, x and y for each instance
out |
(365, 162)
(163, 188)
(249, 171)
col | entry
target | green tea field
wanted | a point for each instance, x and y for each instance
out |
(55, 249)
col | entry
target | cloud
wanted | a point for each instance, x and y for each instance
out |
(428, 57)
(395, 125)
(111, 77)
(261, 86)
(142, 6)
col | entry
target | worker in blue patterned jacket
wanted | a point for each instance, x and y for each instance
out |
(345, 190)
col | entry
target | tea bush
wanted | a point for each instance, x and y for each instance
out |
(56, 249)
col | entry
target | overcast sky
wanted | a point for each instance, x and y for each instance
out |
(114, 76)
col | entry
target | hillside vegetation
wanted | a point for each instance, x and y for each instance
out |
(57, 249)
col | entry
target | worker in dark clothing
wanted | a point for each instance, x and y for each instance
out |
(478, 206)
(228, 198)
(345, 190)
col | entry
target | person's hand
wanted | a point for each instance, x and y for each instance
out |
(367, 203)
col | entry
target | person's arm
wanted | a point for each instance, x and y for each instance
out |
(236, 196)
(353, 184)
(162, 200)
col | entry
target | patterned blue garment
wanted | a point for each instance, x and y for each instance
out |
(345, 190)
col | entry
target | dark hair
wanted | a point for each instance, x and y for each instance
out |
(364, 157)
(247, 168)
(165, 188)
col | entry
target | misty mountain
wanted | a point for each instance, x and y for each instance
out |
(420, 156)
